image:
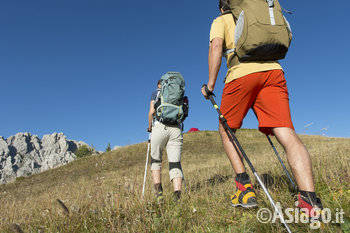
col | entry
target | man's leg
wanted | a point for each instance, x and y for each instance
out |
(158, 142)
(157, 178)
(174, 150)
(231, 152)
(298, 157)
(244, 196)
(300, 163)
(237, 98)
(177, 184)
(157, 184)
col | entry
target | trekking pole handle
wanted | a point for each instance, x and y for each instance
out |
(207, 91)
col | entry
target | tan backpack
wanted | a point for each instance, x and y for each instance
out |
(262, 32)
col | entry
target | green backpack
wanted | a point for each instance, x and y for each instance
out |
(262, 33)
(171, 105)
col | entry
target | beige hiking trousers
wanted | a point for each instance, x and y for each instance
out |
(169, 137)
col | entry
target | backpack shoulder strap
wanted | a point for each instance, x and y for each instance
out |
(230, 50)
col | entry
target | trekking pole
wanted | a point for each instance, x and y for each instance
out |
(279, 158)
(144, 177)
(236, 144)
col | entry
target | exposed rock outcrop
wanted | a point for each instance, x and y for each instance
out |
(24, 154)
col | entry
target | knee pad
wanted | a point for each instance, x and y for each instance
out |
(175, 170)
(156, 164)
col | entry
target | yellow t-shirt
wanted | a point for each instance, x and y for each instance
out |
(224, 27)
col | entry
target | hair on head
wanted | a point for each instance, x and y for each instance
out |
(224, 5)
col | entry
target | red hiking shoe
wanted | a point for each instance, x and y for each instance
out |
(308, 207)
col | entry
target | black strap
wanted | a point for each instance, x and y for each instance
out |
(155, 161)
(175, 165)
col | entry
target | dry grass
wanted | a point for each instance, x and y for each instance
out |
(103, 193)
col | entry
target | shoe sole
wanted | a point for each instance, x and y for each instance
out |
(245, 205)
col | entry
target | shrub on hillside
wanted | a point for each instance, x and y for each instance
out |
(82, 151)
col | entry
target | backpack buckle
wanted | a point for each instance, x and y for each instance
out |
(271, 3)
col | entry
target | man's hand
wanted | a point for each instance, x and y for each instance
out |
(206, 91)
(149, 129)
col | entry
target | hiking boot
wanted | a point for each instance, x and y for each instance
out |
(158, 189)
(177, 196)
(245, 195)
(309, 206)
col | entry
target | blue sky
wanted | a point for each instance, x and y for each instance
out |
(87, 68)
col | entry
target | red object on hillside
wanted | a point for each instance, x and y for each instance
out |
(193, 130)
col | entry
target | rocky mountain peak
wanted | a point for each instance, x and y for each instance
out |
(24, 154)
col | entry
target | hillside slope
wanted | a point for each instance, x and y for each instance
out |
(102, 193)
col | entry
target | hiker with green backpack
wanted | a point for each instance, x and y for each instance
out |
(253, 35)
(168, 109)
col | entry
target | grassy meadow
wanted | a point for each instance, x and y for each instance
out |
(102, 193)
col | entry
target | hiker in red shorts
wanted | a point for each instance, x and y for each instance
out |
(262, 87)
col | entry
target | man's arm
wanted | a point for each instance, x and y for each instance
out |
(214, 63)
(150, 115)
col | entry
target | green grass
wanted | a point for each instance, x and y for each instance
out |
(102, 193)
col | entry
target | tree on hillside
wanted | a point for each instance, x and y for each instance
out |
(108, 149)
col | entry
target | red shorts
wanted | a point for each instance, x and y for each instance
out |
(266, 92)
